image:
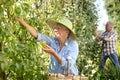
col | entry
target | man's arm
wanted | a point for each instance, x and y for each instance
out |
(99, 37)
(33, 32)
(108, 38)
(112, 36)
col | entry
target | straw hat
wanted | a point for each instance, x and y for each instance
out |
(66, 22)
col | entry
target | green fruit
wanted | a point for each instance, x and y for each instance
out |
(43, 44)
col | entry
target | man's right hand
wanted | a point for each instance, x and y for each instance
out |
(99, 36)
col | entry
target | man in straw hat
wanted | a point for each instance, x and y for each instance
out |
(109, 39)
(62, 48)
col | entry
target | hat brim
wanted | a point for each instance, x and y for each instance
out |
(53, 23)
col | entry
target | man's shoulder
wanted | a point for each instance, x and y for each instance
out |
(104, 32)
(113, 32)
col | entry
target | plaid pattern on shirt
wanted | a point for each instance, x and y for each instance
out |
(109, 42)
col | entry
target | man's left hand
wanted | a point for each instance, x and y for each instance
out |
(99, 36)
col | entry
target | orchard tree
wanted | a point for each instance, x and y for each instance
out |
(21, 57)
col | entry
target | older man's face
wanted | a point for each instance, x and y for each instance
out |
(108, 27)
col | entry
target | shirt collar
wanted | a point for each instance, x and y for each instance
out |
(66, 43)
(110, 31)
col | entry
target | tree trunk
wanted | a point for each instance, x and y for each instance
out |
(3, 76)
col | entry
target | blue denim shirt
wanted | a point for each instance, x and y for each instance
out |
(68, 52)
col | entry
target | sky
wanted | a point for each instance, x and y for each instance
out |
(102, 13)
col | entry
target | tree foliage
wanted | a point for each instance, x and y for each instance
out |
(113, 9)
(21, 57)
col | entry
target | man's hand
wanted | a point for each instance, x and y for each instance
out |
(96, 32)
(99, 36)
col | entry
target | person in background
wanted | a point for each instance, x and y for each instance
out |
(109, 39)
(63, 48)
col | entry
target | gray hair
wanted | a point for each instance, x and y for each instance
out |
(110, 23)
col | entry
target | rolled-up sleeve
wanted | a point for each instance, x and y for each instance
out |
(42, 37)
(111, 37)
(71, 56)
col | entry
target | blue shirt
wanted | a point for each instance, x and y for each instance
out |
(68, 52)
